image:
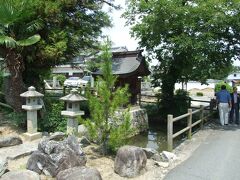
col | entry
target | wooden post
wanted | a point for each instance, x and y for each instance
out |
(139, 99)
(190, 124)
(201, 115)
(211, 105)
(170, 132)
(64, 90)
(189, 102)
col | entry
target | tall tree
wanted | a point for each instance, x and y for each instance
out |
(109, 124)
(191, 39)
(13, 41)
(67, 29)
(72, 28)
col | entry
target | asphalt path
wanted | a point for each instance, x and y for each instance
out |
(218, 158)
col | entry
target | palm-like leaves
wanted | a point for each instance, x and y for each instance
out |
(15, 11)
(12, 10)
(29, 41)
(7, 41)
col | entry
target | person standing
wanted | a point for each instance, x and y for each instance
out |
(235, 106)
(224, 105)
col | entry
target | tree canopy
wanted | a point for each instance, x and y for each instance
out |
(191, 39)
(63, 29)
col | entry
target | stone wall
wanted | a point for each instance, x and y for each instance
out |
(139, 119)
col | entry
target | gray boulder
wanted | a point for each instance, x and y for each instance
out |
(83, 131)
(57, 136)
(168, 156)
(84, 141)
(3, 166)
(149, 152)
(24, 174)
(76, 173)
(129, 161)
(10, 141)
(53, 157)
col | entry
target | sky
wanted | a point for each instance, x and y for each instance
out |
(119, 33)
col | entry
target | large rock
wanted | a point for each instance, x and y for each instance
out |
(77, 173)
(130, 160)
(17, 175)
(84, 141)
(83, 131)
(57, 136)
(149, 152)
(3, 166)
(53, 157)
(10, 141)
(168, 156)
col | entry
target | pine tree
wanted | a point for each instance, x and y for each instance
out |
(109, 123)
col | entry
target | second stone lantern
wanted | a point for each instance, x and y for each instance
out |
(72, 111)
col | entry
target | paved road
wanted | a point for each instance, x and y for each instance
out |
(218, 158)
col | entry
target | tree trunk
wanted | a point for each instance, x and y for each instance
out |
(14, 86)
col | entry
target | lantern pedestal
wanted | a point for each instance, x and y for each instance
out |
(72, 122)
(32, 136)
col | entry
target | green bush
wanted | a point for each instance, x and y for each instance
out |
(18, 119)
(181, 102)
(152, 110)
(61, 79)
(199, 94)
(52, 119)
(218, 87)
(1, 80)
(106, 127)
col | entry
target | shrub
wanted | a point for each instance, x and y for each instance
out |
(181, 102)
(1, 80)
(199, 94)
(18, 119)
(105, 126)
(52, 120)
(218, 87)
(61, 78)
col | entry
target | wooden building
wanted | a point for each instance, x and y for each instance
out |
(129, 66)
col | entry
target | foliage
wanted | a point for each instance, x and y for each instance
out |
(192, 40)
(15, 36)
(152, 110)
(18, 119)
(71, 29)
(1, 79)
(217, 87)
(119, 134)
(180, 103)
(67, 29)
(199, 94)
(106, 127)
(52, 119)
(61, 78)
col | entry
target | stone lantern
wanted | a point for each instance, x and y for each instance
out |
(32, 105)
(73, 111)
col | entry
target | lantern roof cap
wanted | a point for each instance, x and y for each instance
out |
(31, 93)
(73, 96)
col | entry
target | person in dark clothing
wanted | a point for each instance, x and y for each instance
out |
(235, 99)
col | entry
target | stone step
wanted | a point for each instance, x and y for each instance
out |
(15, 152)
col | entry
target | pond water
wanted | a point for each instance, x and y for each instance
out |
(155, 138)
